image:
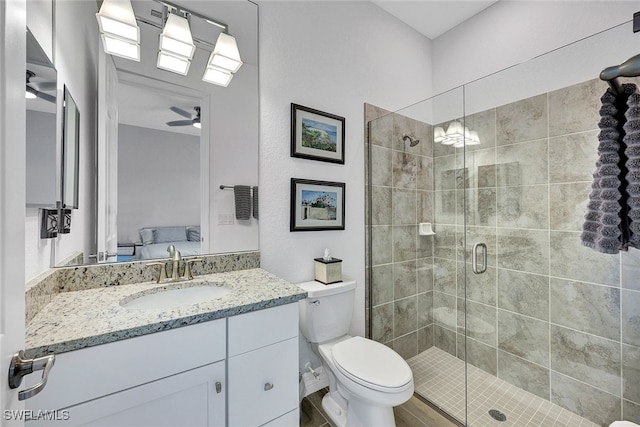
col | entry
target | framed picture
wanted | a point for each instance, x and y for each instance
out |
(316, 205)
(316, 135)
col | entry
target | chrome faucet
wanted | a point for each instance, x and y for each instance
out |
(176, 257)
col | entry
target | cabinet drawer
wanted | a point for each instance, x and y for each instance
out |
(263, 327)
(263, 384)
(97, 371)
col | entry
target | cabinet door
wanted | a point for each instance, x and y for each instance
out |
(263, 384)
(191, 398)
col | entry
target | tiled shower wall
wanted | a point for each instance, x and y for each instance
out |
(402, 197)
(549, 316)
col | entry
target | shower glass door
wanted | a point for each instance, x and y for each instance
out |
(531, 326)
(546, 337)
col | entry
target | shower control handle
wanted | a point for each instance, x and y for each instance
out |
(474, 258)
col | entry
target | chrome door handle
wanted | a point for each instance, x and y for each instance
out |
(474, 258)
(20, 367)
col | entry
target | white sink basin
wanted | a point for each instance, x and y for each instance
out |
(175, 296)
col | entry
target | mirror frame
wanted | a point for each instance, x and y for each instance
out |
(70, 152)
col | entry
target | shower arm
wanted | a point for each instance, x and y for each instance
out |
(629, 68)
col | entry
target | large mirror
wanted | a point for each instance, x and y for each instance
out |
(147, 175)
(40, 93)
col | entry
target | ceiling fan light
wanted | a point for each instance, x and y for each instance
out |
(30, 93)
(121, 47)
(175, 64)
(217, 76)
(116, 17)
(176, 37)
(197, 124)
(225, 55)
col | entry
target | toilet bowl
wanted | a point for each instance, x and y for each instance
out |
(366, 378)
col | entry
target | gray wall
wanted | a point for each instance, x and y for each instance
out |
(402, 197)
(158, 180)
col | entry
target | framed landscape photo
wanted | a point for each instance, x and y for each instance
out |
(317, 205)
(316, 135)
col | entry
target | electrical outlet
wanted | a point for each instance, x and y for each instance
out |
(225, 219)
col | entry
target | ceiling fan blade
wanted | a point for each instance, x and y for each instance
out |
(182, 112)
(46, 97)
(44, 86)
(180, 123)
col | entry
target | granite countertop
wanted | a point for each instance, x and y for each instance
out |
(79, 319)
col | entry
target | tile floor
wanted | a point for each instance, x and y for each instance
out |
(414, 413)
(439, 378)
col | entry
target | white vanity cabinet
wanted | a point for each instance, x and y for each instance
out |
(263, 368)
(240, 371)
(170, 378)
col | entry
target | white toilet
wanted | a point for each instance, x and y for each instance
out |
(366, 378)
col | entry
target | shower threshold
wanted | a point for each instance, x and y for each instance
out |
(439, 378)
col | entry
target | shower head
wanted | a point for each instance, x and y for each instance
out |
(412, 141)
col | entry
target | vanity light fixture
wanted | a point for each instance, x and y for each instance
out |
(176, 37)
(217, 76)
(118, 29)
(176, 45)
(225, 55)
(456, 135)
(223, 61)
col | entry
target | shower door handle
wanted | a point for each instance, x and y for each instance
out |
(474, 258)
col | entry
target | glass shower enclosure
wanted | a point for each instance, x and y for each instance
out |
(476, 272)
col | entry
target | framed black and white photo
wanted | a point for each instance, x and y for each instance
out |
(316, 135)
(317, 205)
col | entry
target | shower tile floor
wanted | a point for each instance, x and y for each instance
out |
(439, 377)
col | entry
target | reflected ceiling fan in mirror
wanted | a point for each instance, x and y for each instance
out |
(35, 89)
(194, 120)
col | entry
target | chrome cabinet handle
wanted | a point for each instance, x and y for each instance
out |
(218, 387)
(268, 386)
(21, 367)
(474, 258)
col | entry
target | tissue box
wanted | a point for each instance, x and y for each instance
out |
(328, 271)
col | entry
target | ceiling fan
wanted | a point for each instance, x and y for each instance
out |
(194, 120)
(34, 89)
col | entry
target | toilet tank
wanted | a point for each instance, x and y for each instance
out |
(326, 312)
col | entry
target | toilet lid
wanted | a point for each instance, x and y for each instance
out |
(371, 364)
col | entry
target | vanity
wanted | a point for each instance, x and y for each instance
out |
(229, 361)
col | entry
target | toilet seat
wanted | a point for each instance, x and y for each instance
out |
(372, 365)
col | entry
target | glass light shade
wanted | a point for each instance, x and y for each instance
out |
(225, 55)
(438, 134)
(197, 125)
(175, 64)
(176, 37)
(116, 17)
(30, 93)
(121, 47)
(217, 76)
(473, 138)
(455, 130)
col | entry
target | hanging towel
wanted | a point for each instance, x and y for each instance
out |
(601, 229)
(242, 199)
(632, 153)
(255, 201)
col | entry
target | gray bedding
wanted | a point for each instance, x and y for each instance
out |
(159, 250)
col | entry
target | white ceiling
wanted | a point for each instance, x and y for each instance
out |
(139, 107)
(433, 17)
